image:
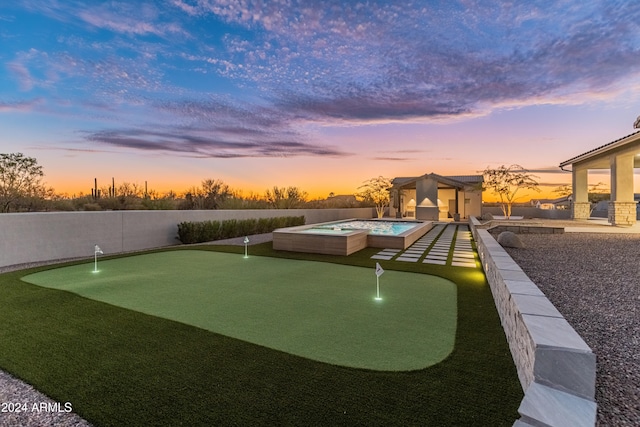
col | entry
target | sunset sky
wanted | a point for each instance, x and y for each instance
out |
(322, 95)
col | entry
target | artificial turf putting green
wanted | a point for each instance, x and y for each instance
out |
(320, 311)
(122, 367)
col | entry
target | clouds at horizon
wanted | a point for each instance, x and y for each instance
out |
(208, 78)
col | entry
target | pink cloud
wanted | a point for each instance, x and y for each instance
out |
(19, 106)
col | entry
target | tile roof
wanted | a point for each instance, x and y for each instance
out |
(601, 148)
(451, 180)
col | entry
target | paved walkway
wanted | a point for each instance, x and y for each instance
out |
(444, 244)
(600, 226)
(591, 225)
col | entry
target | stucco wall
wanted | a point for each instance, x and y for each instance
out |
(33, 237)
(473, 208)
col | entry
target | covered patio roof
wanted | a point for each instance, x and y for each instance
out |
(599, 158)
(620, 157)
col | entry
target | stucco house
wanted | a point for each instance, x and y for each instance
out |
(563, 202)
(435, 197)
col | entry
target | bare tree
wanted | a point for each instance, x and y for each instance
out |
(505, 182)
(285, 198)
(376, 191)
(214, 192)
(564, 190)
(210, 195)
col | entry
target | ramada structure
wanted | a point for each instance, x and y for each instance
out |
(435, 197)
(621, 157)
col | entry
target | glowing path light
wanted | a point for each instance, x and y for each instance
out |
(246, 242)
(379, 272)
(97, 251)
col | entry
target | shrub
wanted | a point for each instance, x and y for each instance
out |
(228, 229)
(92, 207)
(186, 232)
(247, 226)
(262, 226)
(206, 231)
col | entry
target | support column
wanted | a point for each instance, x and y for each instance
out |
(456, 214)
(581, 208)
(427, 199)
(622, 207)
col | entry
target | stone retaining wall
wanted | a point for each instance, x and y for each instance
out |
(555, 366)
(526, 229)
(530, 212)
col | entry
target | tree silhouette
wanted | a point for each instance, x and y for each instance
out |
(376, 191)
(20, 178)
(505, 182)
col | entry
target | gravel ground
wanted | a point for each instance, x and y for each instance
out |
(22, 405)
(594, 281)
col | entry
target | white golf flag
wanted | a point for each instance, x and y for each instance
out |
(97, 249)
(246, 240)
(379, 270)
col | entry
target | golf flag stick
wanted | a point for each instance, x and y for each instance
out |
(96, 251)
(379, 272)
(246, 242)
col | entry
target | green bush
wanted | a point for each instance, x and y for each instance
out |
(262, 226)
(206, 231)
(186, 232)
(228, 229)
(246, 227)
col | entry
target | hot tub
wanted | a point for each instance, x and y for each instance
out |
(348, 236)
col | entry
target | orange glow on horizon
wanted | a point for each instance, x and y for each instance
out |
(489, 197)
(74, 188)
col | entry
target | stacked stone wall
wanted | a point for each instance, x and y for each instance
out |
(555, 366)
(622, 213)
(526, 229)
(581, 210)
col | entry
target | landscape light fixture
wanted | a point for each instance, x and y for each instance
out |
(96, 251)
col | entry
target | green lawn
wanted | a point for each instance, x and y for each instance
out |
(119, 366)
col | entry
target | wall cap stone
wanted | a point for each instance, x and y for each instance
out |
(546, 406)
(537, 305)
(554, 332)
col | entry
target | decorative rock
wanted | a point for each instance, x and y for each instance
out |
(487, 216)
(509, 239)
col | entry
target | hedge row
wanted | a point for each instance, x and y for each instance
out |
(206, 231)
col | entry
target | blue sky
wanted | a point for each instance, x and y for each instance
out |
(318, 94)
